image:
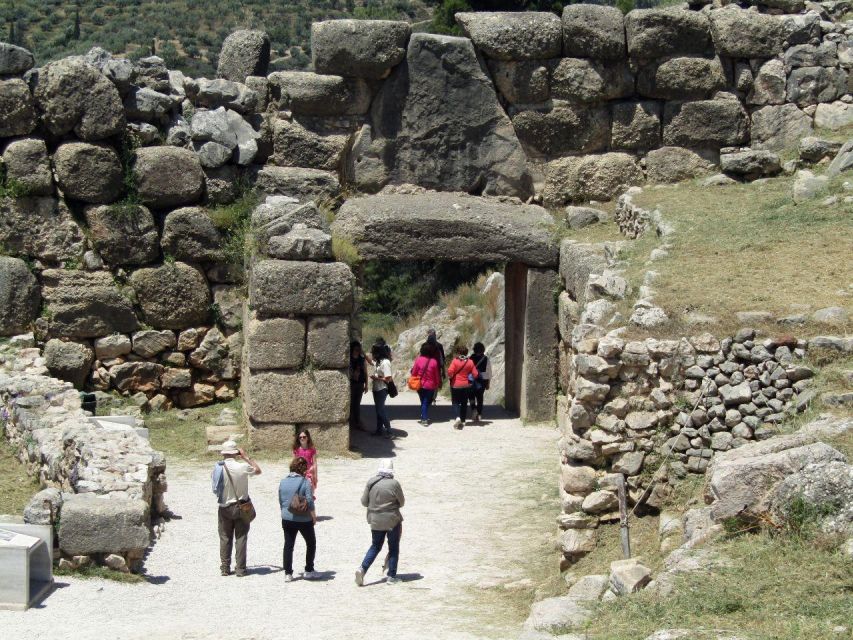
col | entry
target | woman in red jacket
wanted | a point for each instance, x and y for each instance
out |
(461, 374)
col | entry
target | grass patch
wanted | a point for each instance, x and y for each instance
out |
(181, 435)
(96, 572)
(234, 222)
(16, 485)
(644, 545)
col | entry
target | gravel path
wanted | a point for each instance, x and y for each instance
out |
(464, 490)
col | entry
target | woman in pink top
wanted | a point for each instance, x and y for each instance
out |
(303, 447)
(426, 366)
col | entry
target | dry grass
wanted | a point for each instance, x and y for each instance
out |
(16, 486)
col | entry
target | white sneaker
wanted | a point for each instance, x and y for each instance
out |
(392, 580)
(288, 577)
(457, 424)
(310, 575)
(359, 577)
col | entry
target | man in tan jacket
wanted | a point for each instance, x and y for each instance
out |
(383, 497)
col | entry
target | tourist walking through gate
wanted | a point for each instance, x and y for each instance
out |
(481, 384)
(298, 516)
(357, 383)
(381, 378)
(426, 378)
(462, 372)
(303, 447)
(383, 497)
(432, 340)
(230, 480)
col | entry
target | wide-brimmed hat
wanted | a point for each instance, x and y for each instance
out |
(229, 447)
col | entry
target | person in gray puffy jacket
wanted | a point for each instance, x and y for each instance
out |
(383, 497)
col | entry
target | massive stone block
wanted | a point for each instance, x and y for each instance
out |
(522, 81)
(14, 60)
(578, 261)
(91, 173)
(437, 123)
(328, 342)
(72, 95)
(539, 389)
(593, 177)
(281, 287)
(297, 396)
(593, 31)
(505, 35)
(358, 48)
(20, 297)
(28, 164)
(276, 343)
(653, 33)
(811, 85)
(168, 177)
(123, 235)
(779, 127)
(40, 227)
(296, 182)
(705, 123)
(84, 304)
(244, 53)
(590, 81)
(459, 228)
(332, 438)
(564, 128)
(674, 164)
(189, 235)
(636, 125)
(682, 78)
(173, 296)
(308, 144)
(768, 86)
(746, 34)
(90, 525)
(69, 361)
(312, 94)
(17, 113)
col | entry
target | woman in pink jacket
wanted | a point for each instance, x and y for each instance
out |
(427, 368)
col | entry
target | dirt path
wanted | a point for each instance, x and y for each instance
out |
(480, 510)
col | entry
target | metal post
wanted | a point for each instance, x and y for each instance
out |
(624, 533)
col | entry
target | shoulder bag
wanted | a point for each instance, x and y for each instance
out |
(415, 381)
(299, 503)
(247, 509)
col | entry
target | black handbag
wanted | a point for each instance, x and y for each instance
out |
(392, 389)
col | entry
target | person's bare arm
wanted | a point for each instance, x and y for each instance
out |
(250, 462)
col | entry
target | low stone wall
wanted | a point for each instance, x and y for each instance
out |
(105, 485)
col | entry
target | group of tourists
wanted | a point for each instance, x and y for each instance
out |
(469, 378)
(383, 497)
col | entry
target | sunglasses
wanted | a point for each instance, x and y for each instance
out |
(303, 437)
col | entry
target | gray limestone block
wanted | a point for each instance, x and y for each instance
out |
(279, 287)
(538, 394)
(358, 48)
(636, 125)
(20, 296)
(560, 128)
(681, 78)
(751, 164)
(577, 262)
(705, 123)
(746, 34)
(779, 127)
(674, 164)
(524, 35)
(328, 342)
(213, 94)
(189, 235)
(149, 343)
(137, 377)
(809, 55)
(244, 53)
(590, 81)
(522, 81)
(461, 227)
(172, 296)
(42, 228)
(168, 177)
(28, 163)
(653, 33)
(142, 103)
(811, 85)
(228, 307)
(313, 94)
(278, 215)
(90, 525)
(112, 346)
(309, 144)
(297, 182)
(592, 177)
(275, 343)
(69, 361)
(73, 95)
(14, 60)
(297, 396)
(301, 243)
(769, 84)
(91, 173)
(84, 304)
(44, 507)
(123, 234)
(17, 110)
(593, 31)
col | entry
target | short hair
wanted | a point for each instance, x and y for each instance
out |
(426, 350)
(479, 348)
(462, 350)
(380, 350)
(299, 465)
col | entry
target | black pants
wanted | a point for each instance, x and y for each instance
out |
(459, 396)
(356, 390)
(290, 530)
(477, 399)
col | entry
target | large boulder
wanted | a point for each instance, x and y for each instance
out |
(189, 235)
(503, 35)
(137, 377)
(297, 396)
(768, 85)
(705, 123)
(590, 81)
(17, 111)
(827, 487)
(811, 85)
(14, 60)
(83, 304)
(213, 94)
(776, 128)
(522, 81)
(834, 116)
(275, 343)
(69, 361)
(437, 123)
(393, 227)
(142, 103)
(653, 33)
(279, 214)
(681, 78)
(173, 296)
(72, 95)
(328, 342)
(312, 144)
(28, 164)
(358, 48)
(168, 177)
(593, 177)
(93, 525)
(746, 34)
(636, 125)
(751, 164)
(563, 127)
(593, 31)
(244, 53)
(281, 287)
(311, 94)
(87, 172)
(123, 234)
(42, 228)
(301, 183)
(20, 297)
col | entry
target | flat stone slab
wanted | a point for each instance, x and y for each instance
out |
(447, 226)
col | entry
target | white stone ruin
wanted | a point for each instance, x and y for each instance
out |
(26, 565)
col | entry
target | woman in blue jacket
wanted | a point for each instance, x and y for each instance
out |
(294, 520)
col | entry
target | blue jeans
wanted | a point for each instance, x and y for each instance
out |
(376, 547)
(379, 398)
(426, 396)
